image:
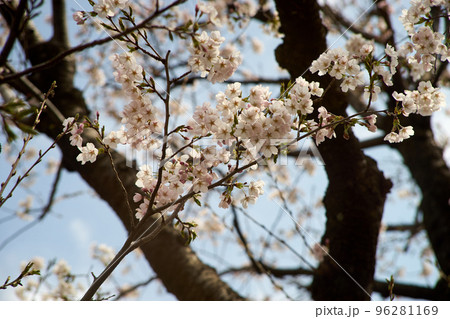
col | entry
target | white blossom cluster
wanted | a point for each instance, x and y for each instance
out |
(256, 121)
(424, 101)
(344, 64)
(63, 289)
(207, 59)
(339, 64)
(103, 253)
(108, 8)
(89, 152)
(179, 174)
(174, 177)
(403, 134)
(425, 44)
(218, 11)
(139, 116)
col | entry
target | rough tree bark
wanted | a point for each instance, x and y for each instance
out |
(356, 193)
(178, 267)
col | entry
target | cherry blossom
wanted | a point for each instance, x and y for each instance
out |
(207, 59)
(78, 17)
(105, 8)
(88, 154)
(425, 101)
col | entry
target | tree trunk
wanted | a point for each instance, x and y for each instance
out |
(356, 193)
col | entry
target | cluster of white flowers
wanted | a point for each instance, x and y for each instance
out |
(219, 11)
(76, 129)
(65, 289)
(107, 8)
(255, 121)
(403, 134)
(89, 152)
(425, 43)
(207, 59)
(211, 11)
(139, 116)
(325, 119)
(358, 47)
(345, 64)
(174, 177)
(300, 96)
(179, 174)
(424, 101)
(339, 64)
(103, 253)
(342, 64)
(255, 189)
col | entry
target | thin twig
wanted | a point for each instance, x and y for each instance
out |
(17, 233)
(22, 151)
(52, 193)
(124, 292)
(124, 190)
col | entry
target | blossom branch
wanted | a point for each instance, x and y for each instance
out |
(133, 241)
(57, 58)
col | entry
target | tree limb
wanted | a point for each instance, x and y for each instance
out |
(412, 291)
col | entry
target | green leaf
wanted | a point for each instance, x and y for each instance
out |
(187, 25)
(24, 113)
(26, 128)
(106, 26)
(239, 185)
(122, 26)
(12, 105)
(11, 136)
(197, 201)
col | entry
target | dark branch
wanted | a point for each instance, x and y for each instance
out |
(14, 31)
(412, 291)
(340, 20)
(52, 193)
